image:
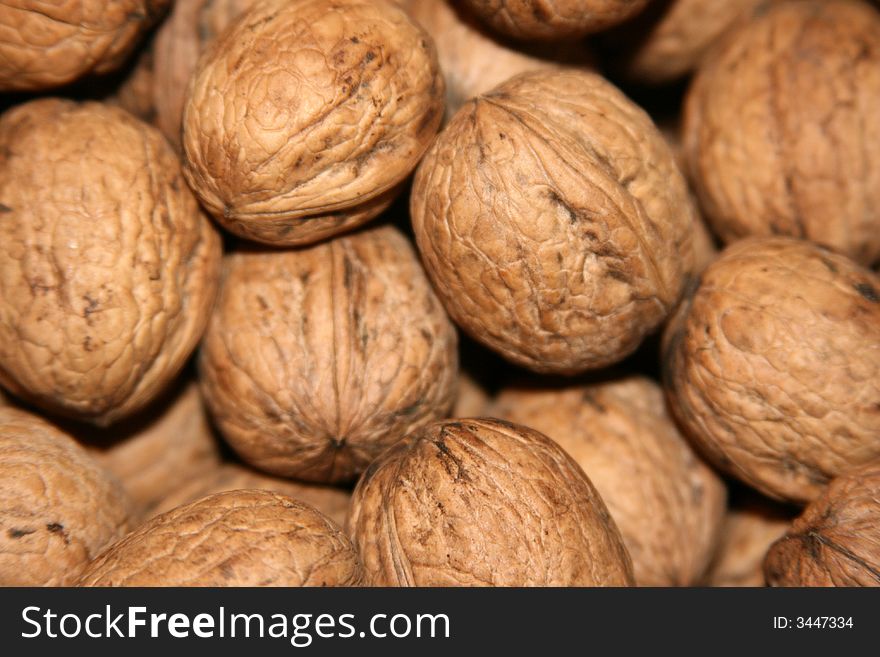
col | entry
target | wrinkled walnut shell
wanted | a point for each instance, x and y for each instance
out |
(554, 222)
(773, 365)
(748, 533)
(553, 19)
(332, 502)
(781, 135)
(474, 61)
(58, 507)
(107, 267)
(303, 119)
(836, 541)
(483, 503)
(48, 44)
(670, 38)
(667, 503)
(317, 359)
(172, 445)
(236, 538)
(190, 29)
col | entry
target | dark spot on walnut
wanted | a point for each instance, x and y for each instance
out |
(868, 292)
(19, 533)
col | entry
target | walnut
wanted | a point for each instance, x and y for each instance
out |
(168, 444)
(48, 44)
(554, 222)
(667, 503)
(304, 118)
(552, 19)
(836, 541)
(473, 60)
(472, 399)
(671, 37)
(134, 93)
(748, 533)
(332, 502)
(780, 133)
(181, 39)
(483, 502)
(236, 538)
(107, 267)
(58, 506)
(317, 359)
(773, 365)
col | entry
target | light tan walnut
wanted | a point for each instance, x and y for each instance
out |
(483, 503)
(236, 538)
(332, 502)
(553, 19)
(46, 44)
(780, 130)
(554, 222)
(108, 268)
(318, 359)
(58, 507)
(667, 503)
(773, 365)
(836, 541)
(303, 119)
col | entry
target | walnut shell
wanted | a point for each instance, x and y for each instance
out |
(317, 359)
(474, 61)
(780, 129)
(671, 37)
(181, 39)
(303, 119)
(554, 222)
(107, 267)
(553, 19)
(483, 503)
(747, 534)
(773, 365)
(667, 503)
(472, 399)
(332, 502)
(58, 507)
(836, 541)
(48, 44)
(236, 538)
(174, 444)
(135, 91)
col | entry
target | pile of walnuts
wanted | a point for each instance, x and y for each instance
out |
(439, 293)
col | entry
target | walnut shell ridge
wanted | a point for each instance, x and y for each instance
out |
(48, 44)
(780, 132)
(190, 28)
(332, 502)
(836, 541)
(554, 222)
(58, 507)
(666, 502)
(482, 502)
(108, 268)
(773, 365)
(317, 359)
(236, 538)
(305, 117)
(553, 19)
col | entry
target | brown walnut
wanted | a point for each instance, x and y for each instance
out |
(781, 136)
(554, 222)
(317, 359)
(58, 507)
(236, 538)
(107, 267)
(667, 503)
(773, 365)
(48, 44)
(483, 503)
(303, 119)
(552, 19)
(836, 541)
